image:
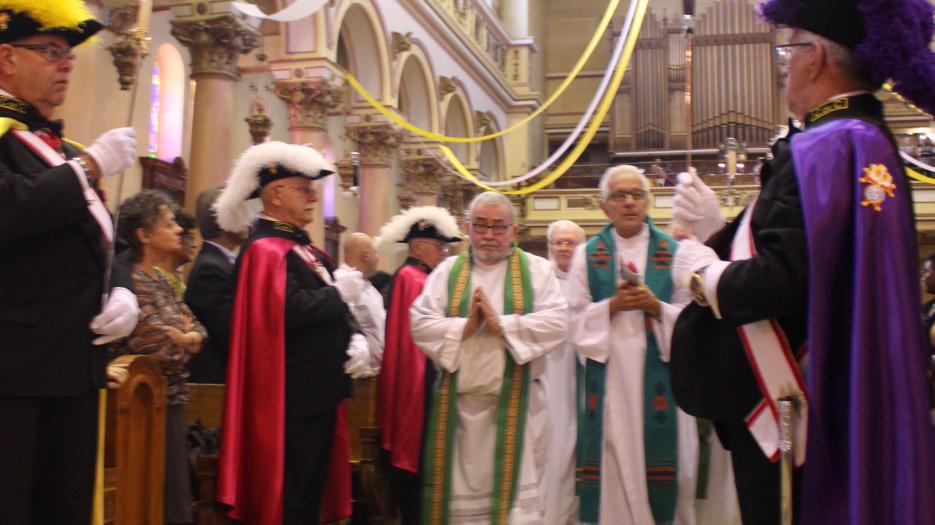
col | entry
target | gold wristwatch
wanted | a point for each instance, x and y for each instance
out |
(696, 285)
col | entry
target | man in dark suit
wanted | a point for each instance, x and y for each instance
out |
(211, 290)
(291, 335)
(812, 293)
(54, 237)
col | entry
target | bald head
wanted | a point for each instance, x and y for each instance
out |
(360, 254)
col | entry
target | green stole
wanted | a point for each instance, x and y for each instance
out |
(436, 481)
(660, 433)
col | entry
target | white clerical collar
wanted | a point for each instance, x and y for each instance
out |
(231, 256)
(848, 94)
(561, 274)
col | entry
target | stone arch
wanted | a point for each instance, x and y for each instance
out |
(459, 122)
(362, 38)
(416, 94)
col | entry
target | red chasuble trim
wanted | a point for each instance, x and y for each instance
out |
(252, 456)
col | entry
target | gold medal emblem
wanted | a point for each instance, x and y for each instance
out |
(879, 185)
(4, 21)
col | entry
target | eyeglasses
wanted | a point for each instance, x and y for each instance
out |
(51, 52)
(621, 196)
(784, 52)
(438, 244)
(305, 190)
(567, 244)
(497, 229)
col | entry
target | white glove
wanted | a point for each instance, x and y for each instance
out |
(114, 151)
(118, 318)
(349, 284)
(690, 257)
(697, 205)
(358, 363)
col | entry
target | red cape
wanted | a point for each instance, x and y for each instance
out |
(401, 384)
(252, 456)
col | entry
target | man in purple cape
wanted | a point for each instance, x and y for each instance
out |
(825, 260)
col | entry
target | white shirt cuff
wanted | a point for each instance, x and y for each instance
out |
(712, 274)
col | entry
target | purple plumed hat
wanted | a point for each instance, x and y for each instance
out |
(891, 37)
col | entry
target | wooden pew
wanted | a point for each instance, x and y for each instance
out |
(134, 453)
(207, 405)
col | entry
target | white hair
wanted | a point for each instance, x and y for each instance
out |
(491, 198)
(614, 171)
(565, 224)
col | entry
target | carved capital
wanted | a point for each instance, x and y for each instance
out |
(422, 174)
(121, 18)
(309, 101)
(214, 43)
(483, 121)
(446, 86)
(127, 53)
(259, 125)
(377, 142)
(457, 195)
(401, 43)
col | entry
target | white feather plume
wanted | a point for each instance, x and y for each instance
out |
(399, 226)
(236, 211)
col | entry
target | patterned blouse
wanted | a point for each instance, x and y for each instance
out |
(161, 308)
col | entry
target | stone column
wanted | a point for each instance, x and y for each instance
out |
(515, 16)
(377, 143)
(214, 42)
(309, 102)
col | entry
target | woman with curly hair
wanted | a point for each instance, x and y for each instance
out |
(167, 328)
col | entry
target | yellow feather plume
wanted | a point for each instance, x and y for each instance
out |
(51, 14)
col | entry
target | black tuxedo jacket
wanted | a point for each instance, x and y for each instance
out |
(52, 256)
(711, 375)
(318, 330)
(210, 294)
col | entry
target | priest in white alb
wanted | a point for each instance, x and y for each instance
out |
(486, 318)
(558, 482)
(637, 452)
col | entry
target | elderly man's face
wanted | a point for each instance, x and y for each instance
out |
(30, 75)
(562, 246)
(798, 73)
(627, 203)
(293, 200)
(491, 232)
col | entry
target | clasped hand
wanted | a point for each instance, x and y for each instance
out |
(630, 297)
(482, 313)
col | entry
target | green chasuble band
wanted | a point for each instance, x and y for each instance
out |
(660, 431)
(511, 411)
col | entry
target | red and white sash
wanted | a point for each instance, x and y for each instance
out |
(306, 254)
(54, 158)
(774, 366)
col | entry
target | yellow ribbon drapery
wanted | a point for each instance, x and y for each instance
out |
(918, 176)
(596, 120)
(399, 121)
